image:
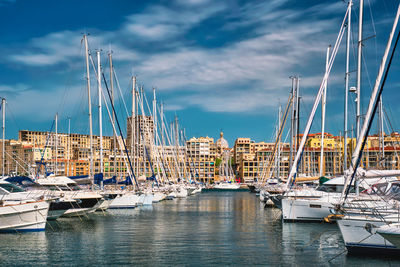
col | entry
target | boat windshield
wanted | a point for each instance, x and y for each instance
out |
(11, 188)
(74, 187)
(334, 188)
(394, 191)
(64, 188)
(52, 187)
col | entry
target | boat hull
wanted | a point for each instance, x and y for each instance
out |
(82, 207)
(125, 201)
(25, 217)
(360, 236)
(305, 209)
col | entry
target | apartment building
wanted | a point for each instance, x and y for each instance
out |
(201, 154)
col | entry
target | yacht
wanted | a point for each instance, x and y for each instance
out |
(21, 215)
(316, 204)
(227, 186)
(81, 201)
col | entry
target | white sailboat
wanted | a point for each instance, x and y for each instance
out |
(361, 221)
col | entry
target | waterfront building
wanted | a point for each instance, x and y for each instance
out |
(201, 153)
(252, 158)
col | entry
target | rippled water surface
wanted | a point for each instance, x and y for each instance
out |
(213, 228)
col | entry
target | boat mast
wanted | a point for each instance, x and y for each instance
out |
(293, 168)
(137, 136)
(359, 68)
(278, 165)
(133, 120)
(323, 105)
(357, 151)
(3, 105)
(162, 123)
(381, 134)
(69, 143)
(154, 115)
(346, 93)
(100, 113)
(113, 115)
(292, 123)
(89, 106)
(56, 137)
(297, 112)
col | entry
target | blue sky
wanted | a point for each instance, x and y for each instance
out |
(216, 64)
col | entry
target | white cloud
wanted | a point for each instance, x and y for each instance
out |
(259, 64)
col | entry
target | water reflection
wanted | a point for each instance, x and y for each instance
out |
(214, 228)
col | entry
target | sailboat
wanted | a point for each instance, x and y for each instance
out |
(310, 204)
(227, 173)
(362, 223)
(20, 214)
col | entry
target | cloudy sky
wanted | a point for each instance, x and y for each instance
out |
(218, 65)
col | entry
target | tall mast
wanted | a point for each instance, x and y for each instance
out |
(89, 105)
(323, 104)
(381, 133)
(154, 116)
(297, 111)
(141, 131)
(279, 143)
(377, 90)
(346, 93)
(136, 124)
(113, 115)
(162, 123)
(133, 120)
(292, 122)
(359, 67)
(3, 105)
(69, 144)
(100, 113)
(56, 141)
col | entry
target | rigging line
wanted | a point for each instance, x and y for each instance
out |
(390, 128)
(120, 131)
(317, 101)
(120, 91)
(373, 113)
(16, 161)
(266, 172)
(68, 82)
(44, 150)
(353, 39)
(9, 111)
(374, 29)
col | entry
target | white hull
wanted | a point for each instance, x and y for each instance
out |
(182, 193)
(305, 209)
(391, 233)
(148, 199)
(55, 214)
(357, 238)
(78, 212)
(158, 196)
(125, 201)
(105, 205)
(196, 191)
(30, 216)
(227, 186)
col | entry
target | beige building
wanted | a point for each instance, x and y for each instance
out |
(201, 154)
(253, 158)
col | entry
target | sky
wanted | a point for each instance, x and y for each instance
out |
(217, 65)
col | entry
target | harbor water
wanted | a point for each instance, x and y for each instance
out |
(211, 228)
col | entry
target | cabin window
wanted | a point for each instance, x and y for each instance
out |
(11, 188)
